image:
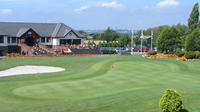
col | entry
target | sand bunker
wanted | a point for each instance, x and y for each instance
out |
(29, 69)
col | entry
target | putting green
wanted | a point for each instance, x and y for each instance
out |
(99, 84)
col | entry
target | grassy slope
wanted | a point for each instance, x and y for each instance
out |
(91, 84)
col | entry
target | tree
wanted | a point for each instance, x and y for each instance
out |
(194, 18)
(156, 30)
(192, 42)
(169, 40)
(109, 35)
(104, 44)
(96, 36)
(171, 101)
(124, 39)
(83, 33)
(183, 32)
(89, 42)
(100, 44)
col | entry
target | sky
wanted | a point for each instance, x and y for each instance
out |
(98, 14)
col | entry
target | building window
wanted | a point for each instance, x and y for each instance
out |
(43, 40)
(1, 39)
(48, 39)
(29, 33)
(70, 34)
(8, 39)
(14, 40)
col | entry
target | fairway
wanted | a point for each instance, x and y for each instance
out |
(99, 84)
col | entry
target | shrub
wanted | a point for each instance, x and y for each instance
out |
(171, 101)
(151, 52)
(180, 53)
(197, 55)
(12, 54)
(108, 51)
(190, 55)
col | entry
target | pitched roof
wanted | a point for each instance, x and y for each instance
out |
(42, 29)
(22, 31)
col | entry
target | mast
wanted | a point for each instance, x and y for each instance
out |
(131, 40)
(151, 39)
(142, 36)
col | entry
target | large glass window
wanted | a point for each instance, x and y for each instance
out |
(14, 40)
(8, 39)
(43, 40)
(1, 39)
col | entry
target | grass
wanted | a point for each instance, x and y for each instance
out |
(99, 84)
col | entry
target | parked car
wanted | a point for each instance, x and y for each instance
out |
(120, 50)
(144, 49)
(136, 50)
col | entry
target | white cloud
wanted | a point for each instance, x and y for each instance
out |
(81, 9)
(112, 4)
(168, 3)
(5, 11)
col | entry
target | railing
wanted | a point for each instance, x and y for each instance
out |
(26, 49)
(41, 51)
(47, 49)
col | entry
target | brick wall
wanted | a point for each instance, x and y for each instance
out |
(9, 49)
(3, 50)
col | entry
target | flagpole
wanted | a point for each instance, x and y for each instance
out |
(131, 41)
(151, 39)
(142, 35)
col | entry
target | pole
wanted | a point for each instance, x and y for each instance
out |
(132, 41)
(142, 35)
(141, 45)
(151, 39)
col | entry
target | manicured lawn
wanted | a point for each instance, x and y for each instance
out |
(99, 84)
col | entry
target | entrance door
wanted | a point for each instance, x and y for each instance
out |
(1, 53)
(63, 41)
(30, 41)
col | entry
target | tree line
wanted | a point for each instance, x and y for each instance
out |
(178, 37)
(167, 39)
(112, 37)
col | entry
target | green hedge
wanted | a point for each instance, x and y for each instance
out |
(108, 51)
(180, 53)
(191, 55)
(197, 55)
(12, 54)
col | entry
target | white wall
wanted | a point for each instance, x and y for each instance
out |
(56, 42)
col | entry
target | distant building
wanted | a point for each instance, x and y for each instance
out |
(13, 35)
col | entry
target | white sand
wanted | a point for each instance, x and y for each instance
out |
(29, 69)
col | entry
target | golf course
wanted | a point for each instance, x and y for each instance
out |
(98, 84)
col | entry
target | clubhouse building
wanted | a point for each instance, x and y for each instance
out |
(17, 37)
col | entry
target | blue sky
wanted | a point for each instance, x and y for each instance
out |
(98, 14)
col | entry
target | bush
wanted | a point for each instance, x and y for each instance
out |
(171, 101)
(108, 51)
(180, 53)
(151, 52)
(197, 55)
(190, 55)
(12, 54)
